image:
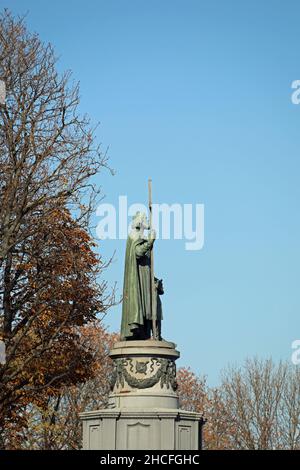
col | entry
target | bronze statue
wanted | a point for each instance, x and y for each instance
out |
(137, 318)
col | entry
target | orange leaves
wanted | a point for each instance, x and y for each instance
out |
(192, 390)
(195, 395)
(53, 423)
(53, 343)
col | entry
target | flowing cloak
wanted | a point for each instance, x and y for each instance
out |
(136, 306)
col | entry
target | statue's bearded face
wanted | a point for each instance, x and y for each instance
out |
(140, 221)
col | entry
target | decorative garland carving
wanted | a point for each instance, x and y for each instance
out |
(165, 375)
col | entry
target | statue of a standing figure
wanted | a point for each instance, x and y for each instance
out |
(137, 318)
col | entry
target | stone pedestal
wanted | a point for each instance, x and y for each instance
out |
(143, 406)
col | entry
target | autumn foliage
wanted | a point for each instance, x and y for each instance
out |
(51, 283)
(46, 347)
(196, 395)
(56, 424)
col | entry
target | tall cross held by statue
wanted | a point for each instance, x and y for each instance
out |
(152, 280)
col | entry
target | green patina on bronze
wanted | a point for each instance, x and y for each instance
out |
(136, 308)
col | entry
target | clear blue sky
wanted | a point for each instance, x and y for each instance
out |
(197, 94)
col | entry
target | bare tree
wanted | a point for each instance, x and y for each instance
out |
(256, 406)
(288, 417)
(47, 150)
(262, 399)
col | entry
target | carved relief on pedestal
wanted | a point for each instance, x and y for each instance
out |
(157, 370)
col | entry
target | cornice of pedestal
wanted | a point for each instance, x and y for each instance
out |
(141, 413)
(144, 348)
